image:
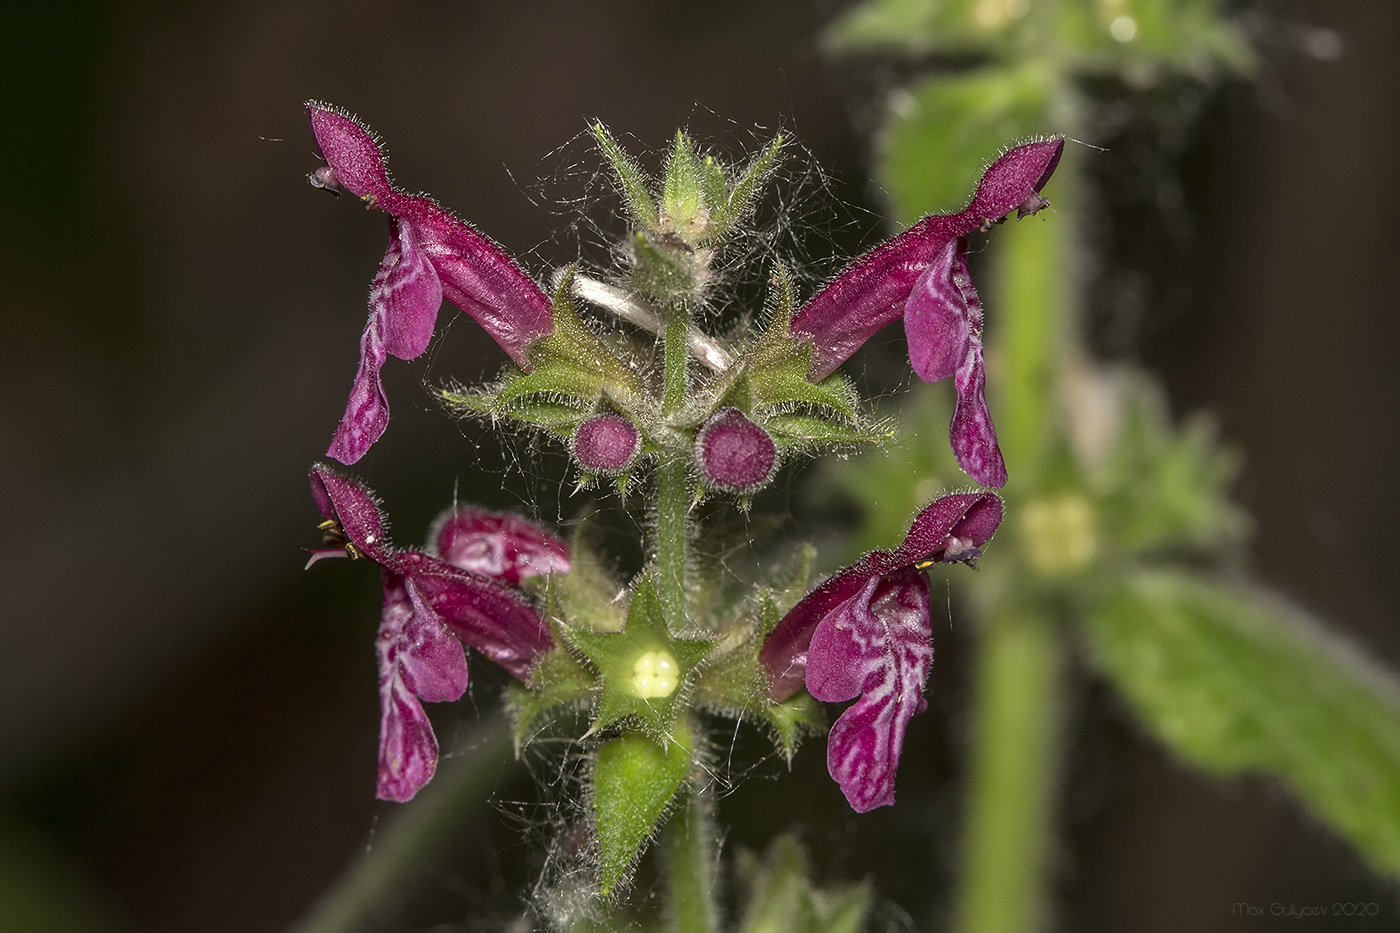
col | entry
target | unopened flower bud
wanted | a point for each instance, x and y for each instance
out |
(606, 444)
(734, 454)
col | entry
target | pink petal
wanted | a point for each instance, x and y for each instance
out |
(972, 435)
(936, 320)
(354, 507)
(408, 750)
(351, 150)
(406, 294)
(497, 545)
(478, 277)
(871, 292)
(417, 660)
(875, 645)
(1013, 181)
(367, 410)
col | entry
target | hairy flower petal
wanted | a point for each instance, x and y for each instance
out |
(936, 321)
(875, 645)
(497, 545)
(406, 294)
(972, 435)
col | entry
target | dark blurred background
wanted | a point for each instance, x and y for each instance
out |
(190, 720)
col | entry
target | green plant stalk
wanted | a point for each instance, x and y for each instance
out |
(390, 871)
(1032, 266)
(690, 855)
(1013, 772)
(673, 490)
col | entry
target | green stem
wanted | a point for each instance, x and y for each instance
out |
(690, 853)
(673, 484)
(1013, 772)
(388, 874)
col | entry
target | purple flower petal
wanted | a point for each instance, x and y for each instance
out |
(943, 529)
(733, 454)
(936, 320)
(418, 660)
(972, 435)
(871, 292)
(351, 150)
(1014, 180)
(354, 508)
(367, 410)
(406, 294)
(606, 443)
(876, 645)
(497, 545)
(478, 277)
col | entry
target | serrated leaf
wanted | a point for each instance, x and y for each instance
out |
(1234, 681)
(941, 132)
(634, 781)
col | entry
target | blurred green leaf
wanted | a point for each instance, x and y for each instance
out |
(784, 900)
(1234, 682)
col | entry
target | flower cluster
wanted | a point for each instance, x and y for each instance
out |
(708, 416)
(466, 593)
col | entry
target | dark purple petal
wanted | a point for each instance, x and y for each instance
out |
(1014, 180)
(418, 660)
(871, 292)
(408, 750)
(948, 524)
(943, 529)
(486, 615)
(406, 294)
(876, 645)
(497, 545)
(606, 443)
(972, 435)
(354, 507)
(367, 410)
(478, 277)
(936, 319)
(354, 156)
(734, 454)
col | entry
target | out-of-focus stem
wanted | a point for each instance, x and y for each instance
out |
(690, 852)
(1029, 332)
(385, 876)
(1014, 771)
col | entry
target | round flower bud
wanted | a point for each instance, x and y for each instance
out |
(606, 444)
(734, 454)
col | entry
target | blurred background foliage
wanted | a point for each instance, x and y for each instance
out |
(190, 719)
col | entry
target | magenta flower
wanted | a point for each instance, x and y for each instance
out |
(432, 607)
(921, 275)
(866, 632)
(431, 256)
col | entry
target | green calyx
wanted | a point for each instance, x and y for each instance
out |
(644, 669)
(635, 779)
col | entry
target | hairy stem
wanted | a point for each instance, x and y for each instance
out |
(673, 484)
(690, 854)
